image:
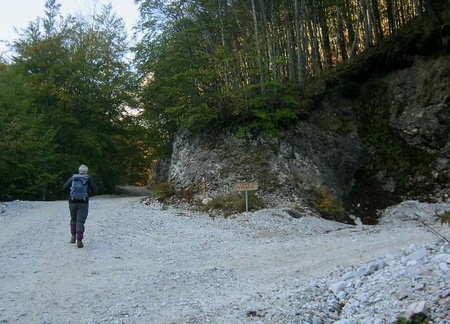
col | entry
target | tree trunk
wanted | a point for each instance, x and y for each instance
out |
(367, 28)
(378, 29)
(322, 16)
(289, 49)
(313, 32)
(390, 15)
(301, 64)
(340, 41)
(258, 47)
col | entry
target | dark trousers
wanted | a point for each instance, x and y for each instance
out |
(78, 216)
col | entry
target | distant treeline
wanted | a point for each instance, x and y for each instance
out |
(73, 92)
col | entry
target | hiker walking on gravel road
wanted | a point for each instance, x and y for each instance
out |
(81, 187)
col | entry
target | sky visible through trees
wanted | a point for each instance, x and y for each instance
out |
(65, 96)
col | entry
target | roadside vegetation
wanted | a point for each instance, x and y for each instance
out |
(70, 93)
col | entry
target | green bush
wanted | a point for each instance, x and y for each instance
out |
(162, 191)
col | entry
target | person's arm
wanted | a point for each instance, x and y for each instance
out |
(67, 184)
(93, 186)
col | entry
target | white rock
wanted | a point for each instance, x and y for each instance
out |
(206, 201)
(419, 254)
(416, 308)
(338, 286)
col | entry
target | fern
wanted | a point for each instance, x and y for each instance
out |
(444, 218)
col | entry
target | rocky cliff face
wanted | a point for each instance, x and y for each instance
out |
(289, 168)
(327, 150)
(420, 109)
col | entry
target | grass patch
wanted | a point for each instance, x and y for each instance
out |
(235, 203)
(163, 191)
(415, 319)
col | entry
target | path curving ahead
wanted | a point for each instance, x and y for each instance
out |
(146, 264)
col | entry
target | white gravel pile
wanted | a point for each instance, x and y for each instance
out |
(148, 264)
(414, 283)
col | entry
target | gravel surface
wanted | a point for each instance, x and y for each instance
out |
(147, 264)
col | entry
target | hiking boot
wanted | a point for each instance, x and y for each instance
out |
(73, 238)
(80, 244)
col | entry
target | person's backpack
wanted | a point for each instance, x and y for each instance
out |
(79, 188)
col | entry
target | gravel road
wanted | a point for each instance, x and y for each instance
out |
(147, 264)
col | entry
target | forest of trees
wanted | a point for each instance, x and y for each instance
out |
(75, 91)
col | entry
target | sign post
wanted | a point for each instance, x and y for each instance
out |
(246, 186)
(204, 186)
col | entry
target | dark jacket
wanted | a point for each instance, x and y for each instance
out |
(92, 188)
